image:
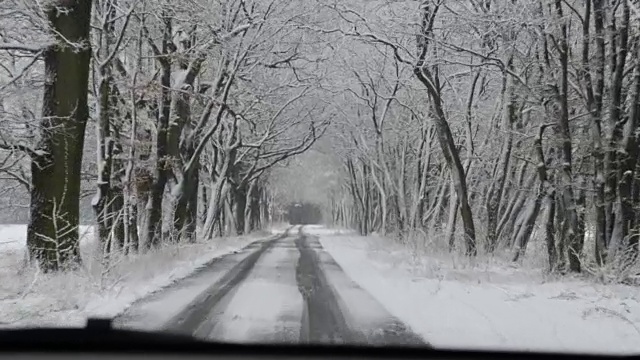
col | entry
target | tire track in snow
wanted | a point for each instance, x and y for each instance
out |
(191, 318)
(160, 309)
(336, 309)
(322, 319)
(289, 290)
(266, 307)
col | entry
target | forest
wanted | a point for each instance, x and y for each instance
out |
(475, 125)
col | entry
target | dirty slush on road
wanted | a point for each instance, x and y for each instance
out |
(286, 289)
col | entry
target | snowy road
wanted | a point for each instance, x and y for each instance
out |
(286, 289)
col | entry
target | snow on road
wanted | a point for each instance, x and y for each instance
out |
(284, 290)
(368, 321)
(29, 298)
(564, 315)
(267, 306)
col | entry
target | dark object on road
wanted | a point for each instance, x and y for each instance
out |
(304, 214)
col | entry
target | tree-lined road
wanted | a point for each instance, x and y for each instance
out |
(288, 290)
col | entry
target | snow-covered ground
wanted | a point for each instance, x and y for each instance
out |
(446, 299)
(30, 298)
(482, 305)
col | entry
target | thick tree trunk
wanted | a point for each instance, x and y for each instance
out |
(52, 235)
(240, 204)
(250, 209)
(216, 203)
(217, 194)
(185, 216)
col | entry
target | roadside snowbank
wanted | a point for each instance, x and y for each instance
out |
(30, 298)
(491, 306)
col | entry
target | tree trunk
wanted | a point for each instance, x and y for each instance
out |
(185, 216)
(524, 234)
(454, 204)
(156, 193)
(103, 198)
(552, 252)
(250, 207)
(204, 202)
(619, 50)
(458, 174)
(52, 233)
(216, 203)
(625, 228)
(574, 247)
(240, 202)
(443, 131)
(594, 103)
(497, 186)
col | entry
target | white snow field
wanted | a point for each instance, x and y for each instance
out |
(486, 305)
(30, 298)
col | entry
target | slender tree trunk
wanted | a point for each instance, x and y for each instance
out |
(552, 251)
(574, 247)
(497, 187)
(103, 198)
(524, 235)
(432, 84)
(619, 49)
(156, 194)
(424, 163)
(454, 204)
(594, 98)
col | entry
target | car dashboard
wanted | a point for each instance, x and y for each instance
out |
(100, 341)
